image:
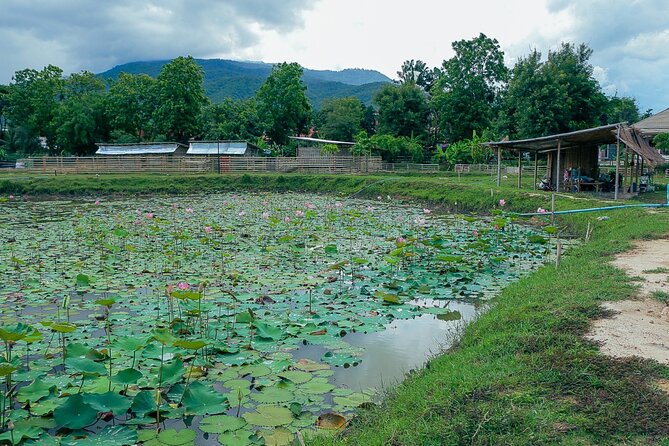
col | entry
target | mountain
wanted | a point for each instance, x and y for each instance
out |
(240, 80)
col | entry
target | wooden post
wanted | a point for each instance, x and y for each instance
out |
(557, 167)
(520, 168)
(617, 187)
(499, 166)
(536, 168)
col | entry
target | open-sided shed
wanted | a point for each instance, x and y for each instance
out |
(573, 156)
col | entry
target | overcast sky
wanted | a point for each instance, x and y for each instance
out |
(630, 37)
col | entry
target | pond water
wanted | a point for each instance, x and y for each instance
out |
(237, 318)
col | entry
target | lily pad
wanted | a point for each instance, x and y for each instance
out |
(269, 416)
(218, 424)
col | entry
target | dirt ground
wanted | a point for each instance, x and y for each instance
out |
(639, 327)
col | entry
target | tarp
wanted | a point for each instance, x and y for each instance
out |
(137, 149)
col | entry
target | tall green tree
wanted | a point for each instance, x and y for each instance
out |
(556, 96)
(283, 104)
(181, 97)
(232, 119)
(80, 120)
(32, 104)
(417, 72)
(402, 110)
(465, 94)
(341, 118)
(130, 105)
(621, 109)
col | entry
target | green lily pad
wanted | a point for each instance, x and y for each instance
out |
(269, 416)
(203, 400)
(75, 413)
(108, 402)
(109, 436)
(218, 424)
(296, 376)
(271, 395)
(34, 392)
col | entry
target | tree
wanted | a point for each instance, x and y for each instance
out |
(403, 110)
(621, 109)
(181, 97)
(417, 73)
(556, 96)
(283, 104)
(80, 120)
(465, 94)
(130, 105)
(32, 104)
(661, 141)
(232, 119)
(341, 118)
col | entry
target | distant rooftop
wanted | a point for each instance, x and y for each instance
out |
(150, 148)
(219, 147)
(322, 141)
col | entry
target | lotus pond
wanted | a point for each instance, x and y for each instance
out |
(233, 319)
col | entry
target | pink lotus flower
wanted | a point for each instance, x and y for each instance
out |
(401, 240)
(189, 210)
(149, 215)
(97, 202)
(242, 213)
(183, 286)
(265, 215)
(427, 211)
(287, 219)
(542, 211)
(502, 202)
(379, 197)
(138, 212)
(475, 233)
(169, 288)
(208, 229)
(11, 196)
(309, 205)
(299, 214)
(338, 204)
(137, 221)
(370, 209)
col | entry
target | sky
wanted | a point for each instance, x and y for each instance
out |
(630, 38)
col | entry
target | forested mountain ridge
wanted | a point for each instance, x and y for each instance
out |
(240, 80)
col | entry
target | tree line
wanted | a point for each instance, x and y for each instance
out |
(439, 114)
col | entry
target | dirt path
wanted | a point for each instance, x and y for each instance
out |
(639, 327)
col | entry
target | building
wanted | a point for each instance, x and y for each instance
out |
(573, 158)
(223, 148)
(144, 148)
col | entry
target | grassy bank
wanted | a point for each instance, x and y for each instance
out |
(521, 374)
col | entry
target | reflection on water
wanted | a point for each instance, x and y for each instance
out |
(405, 345)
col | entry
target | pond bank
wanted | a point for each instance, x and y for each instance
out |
(521, 374)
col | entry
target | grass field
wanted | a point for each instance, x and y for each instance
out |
(522, 373)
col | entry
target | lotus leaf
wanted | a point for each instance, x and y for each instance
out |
(75, 413)
(269, 416)
(218, 424)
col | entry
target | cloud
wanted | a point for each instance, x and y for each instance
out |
(629, 38)
(95, 35)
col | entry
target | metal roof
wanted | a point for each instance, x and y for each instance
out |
(138, 149)
(322, 141)
(598, 135)
(218, 148)
(606, 134)
(658, 123)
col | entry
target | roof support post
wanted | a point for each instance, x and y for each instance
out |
(557, 167)
(499, 166)
(520, 168)
(617, 186)
(536, 168)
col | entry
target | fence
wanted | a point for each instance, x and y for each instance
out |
(409, 167)
(197, 164)
(491, 169)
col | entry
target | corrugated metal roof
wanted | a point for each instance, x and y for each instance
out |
(322, 141)
(217, 148)
(137, 149)
(658, 123)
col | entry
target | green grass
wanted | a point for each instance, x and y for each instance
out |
(523, 372)
(658, 270)
(662, 296)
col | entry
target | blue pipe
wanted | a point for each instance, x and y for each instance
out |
(606, 208)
